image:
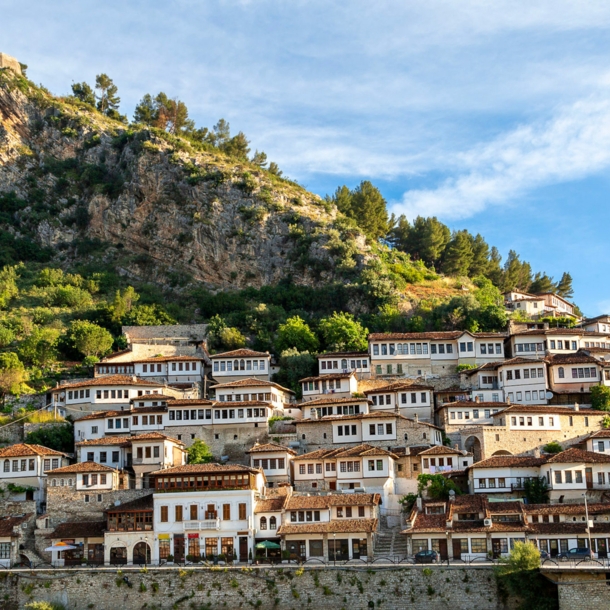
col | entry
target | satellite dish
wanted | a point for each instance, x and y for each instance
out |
(549, 395)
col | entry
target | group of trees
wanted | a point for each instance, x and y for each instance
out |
(171, 115)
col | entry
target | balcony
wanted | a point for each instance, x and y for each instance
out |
(208, 524)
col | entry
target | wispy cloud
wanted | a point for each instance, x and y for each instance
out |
(573, 144)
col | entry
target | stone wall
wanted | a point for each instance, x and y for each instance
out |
(65, 504)
(582, 590)
(399, 588)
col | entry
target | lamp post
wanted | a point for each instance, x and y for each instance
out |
(588, 530)
(335, 549)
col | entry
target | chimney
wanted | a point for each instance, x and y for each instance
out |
(508, 401)
(419, 503)
(456, 446)
(576, 407)
(545, 326)
(416, 418)
(536, 452)
(477, 399)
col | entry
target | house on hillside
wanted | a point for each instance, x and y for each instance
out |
(240, 364)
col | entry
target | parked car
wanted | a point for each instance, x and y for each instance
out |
(426, 557)
(577, 554)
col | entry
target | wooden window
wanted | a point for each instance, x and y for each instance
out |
(164, 514)
(226, 512)
(178, 513)
(242, 512)
(194, 508)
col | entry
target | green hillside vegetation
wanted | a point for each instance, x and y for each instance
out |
(62, 304)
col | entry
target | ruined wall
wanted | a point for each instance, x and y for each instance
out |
(399, 588)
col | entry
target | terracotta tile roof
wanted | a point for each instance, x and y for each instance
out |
(577, 358)
(441, 450)
(310, 502)
(510, 461)
(560, 331)
(124, 441)
(373, 415)
(251, 382)
(24, 449)
(358, 451)
(154, 436)
(225, 404)
(271, 448)
(155, 396)
(339, 526)
(145, 503)
(442, 335)
(114, 355)
(397, 386)
(473, 403)
(189, 402)
(343, 354)
(572, 455)
(82, 467)
(241, 353)
(552, 409)
(594, 508)
(79, 529)
(600, 434)
(108, 380)
(204, 469)
(99, 415)
(327, 400)
(328, 376)
(270, 505)
(8, 523)
(140, 410)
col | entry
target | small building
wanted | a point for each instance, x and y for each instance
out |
(407, 398)
(442, 459)
(504, 476)
(332, 405)
(339, 385)
(268, 512)
(12, 532)
(274, 460)
(358, 363)
(87, 538)
(253, 389)
(240, 364)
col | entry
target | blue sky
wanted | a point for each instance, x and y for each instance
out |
(492, 116)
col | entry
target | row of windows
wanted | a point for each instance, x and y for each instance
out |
(105, 394)
(349, 511)
(103, 458)
(117, 424)
(386, 399)
(352, 466)
(20, 465)
(527, 374)
(579, 372)
(597, 343)
(347, 430)
(244, 397)
(327, 365)
(193, 414)
(339, 410)
(74, 394)
(113, 370)
(476, 414)
(529, 395)
(568, 476)
(272, 523)
(63, 482)
(270, 464)
(148, 420)
(207, 512)
(94, 479)
(385, 349)
(112, 394)
(239, 365)
(530, 347)
(529, 421)
(443, 348)
(180, 366)
(331, 384)
(488, 348)
(441, 462)
(569, 345)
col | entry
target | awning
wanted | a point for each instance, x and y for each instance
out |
(61, 546)
(267, 544)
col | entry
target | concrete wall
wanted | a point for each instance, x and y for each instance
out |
(413, 588)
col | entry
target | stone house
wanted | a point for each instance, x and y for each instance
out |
(86, 536)
(338, 385)
(13, 530)
(24, 469)
(268, 512)
(205, 510)
(240, 364)
(358, 363)
(274, 460)
(408, 398)
(379, 429)
(431, 353)
(332, 527)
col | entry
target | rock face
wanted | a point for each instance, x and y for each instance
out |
(6, 61)
(154, 206)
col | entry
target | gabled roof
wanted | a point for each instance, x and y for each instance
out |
(154, 436)
(123, 441)
(241, 353)
(363, 450)
(204, 469)
(82, 467)
(271, 448)
(360, 416)
(8, 523)
(79, 529)
(552, 409)
(339, 526)
(573, 455)
(154, 396)
(327, 400)
(189, 402)
(25, 449)
(600, 434)
(343, 355)
(108, 380)
(397, 386)
(145, 503)
(270, 505)
(435, 335)
(328, 376)
(309, 502)
(473, 403)
(251, 382)
(510, 461)
(442, 450)
(577, 358)
(154, 359)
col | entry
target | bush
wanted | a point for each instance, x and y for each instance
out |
(552, 447)
(600, 397)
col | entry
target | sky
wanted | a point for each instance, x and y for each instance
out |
(494, 117)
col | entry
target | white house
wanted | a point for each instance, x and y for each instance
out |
(254, 389)
(409, 399)
(25, 465)
(358, 363)
(535, 343)
(439, 459)
(240, 364)
(173, 370)
(339, 385)
(331, 405)
(524, 380)
(205, 510)
(274, 460)
(85, 476)
(599, 324)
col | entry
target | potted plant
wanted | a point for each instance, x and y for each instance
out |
(221, 559)
(285, 556)
(170, 559)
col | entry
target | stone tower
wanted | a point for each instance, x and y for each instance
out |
(6, 61)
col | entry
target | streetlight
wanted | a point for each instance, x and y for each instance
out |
(335, 549)
(588, 530)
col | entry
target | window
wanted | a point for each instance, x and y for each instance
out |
(478, 545)
(558, 477)
(561, 372)
(263, 523)
(178, 513)
(568, 476)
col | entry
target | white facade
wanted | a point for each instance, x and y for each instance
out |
(337, 384)
(240, 364)
(523, 382)
(254, 389)
(352, 362)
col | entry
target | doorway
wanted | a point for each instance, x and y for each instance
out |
(178, 547)
(243, 549)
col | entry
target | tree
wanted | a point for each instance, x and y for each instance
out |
(221, 336)
(12, 374)
(237, 147)
(428, 239)
(274, 169)
(600, 397)
(172, 115)
(259, 158)
(536, 490)
(39, 348)
(295, 365)
(564, 287)
(542, 283)
(199, 453)
(480, 256)
(341, 332)
(148, 315)
(89, 338)
(437, 486)
(552, 447)
(146, 111)
(295, 333)
(123, 303)
(517, 274)
(7, 336)
(494, 268)
(107, 98)
(8, 285)
(84, 93)
(59, 437)
(458, 255)
(400, 234)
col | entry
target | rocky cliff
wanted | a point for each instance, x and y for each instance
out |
(78, 186)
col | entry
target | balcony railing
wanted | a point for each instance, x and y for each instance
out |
(208, 524)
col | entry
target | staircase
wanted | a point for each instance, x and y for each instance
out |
(390, 543)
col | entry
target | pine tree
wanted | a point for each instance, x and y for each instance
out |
(428, 239)
(369, 210)
(146, 111)
(400, 234)
(274, 169)
(480, 256)
(259, 158)
(564, 287)
(343, 200)
(237, 147)
(542, 283)
(517, 274)
(458, 255)
(84, 93)
(494, 269)
(172, 115)
(107, 98)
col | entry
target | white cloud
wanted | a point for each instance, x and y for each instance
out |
(574, 144)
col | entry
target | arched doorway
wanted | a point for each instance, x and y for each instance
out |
(501, 452)
(141, 553)
(473, 445)
(118, 555)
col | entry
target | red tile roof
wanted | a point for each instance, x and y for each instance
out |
(328, 400)
(510, 461)
(397, 386)
(241, 353)
(8, 523)
(251, 382)
(79, 529)
(309, 502)
(204, 469)
(343, 354)
(108, 380)
(271, 448)
(570, 456)
(25, 449)
(82, 467)
(339, 526)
